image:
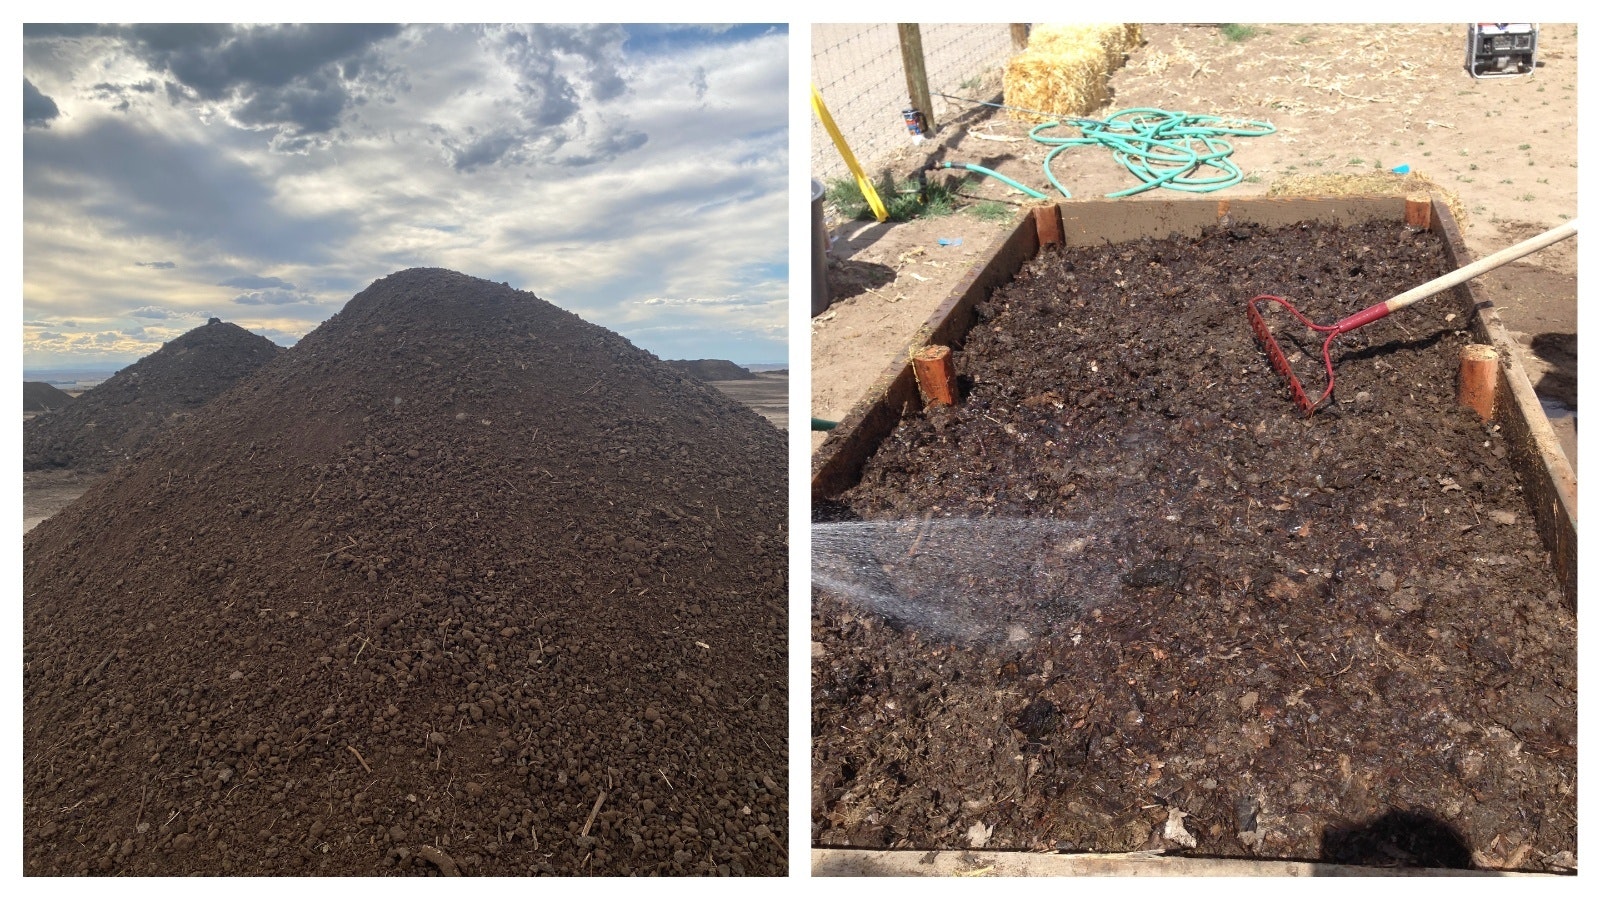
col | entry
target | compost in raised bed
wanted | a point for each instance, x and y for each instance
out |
(1126, 596)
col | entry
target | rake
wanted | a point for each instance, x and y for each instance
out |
(1258, 323)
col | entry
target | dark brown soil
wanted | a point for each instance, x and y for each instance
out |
(116, 419)
(711, 369)
(39, 396)
(1329, 638)
(460, 583)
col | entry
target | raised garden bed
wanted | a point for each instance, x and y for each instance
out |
(1124, 597)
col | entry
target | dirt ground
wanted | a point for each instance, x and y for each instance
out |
(1163, 611)
(1343, 98)
(47, 492)
(767, 393)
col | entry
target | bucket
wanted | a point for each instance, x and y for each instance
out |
(819, 253)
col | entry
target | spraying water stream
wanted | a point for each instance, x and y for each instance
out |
(967, 579)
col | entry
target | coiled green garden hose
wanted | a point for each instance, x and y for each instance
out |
(1161, 148)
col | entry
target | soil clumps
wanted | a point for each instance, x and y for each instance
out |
(711, 369)
(39, 396)
(459, 584)
(1301, 626)
(117, 418)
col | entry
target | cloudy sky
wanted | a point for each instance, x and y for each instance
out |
(635, 175)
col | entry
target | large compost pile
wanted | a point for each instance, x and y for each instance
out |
(118, 417)
(1126, 597)
(459, 584)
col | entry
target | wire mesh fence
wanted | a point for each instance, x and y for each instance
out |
(858, 71)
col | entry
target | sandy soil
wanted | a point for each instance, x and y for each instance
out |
(1344, 99)
(47, 492)
(767, 394)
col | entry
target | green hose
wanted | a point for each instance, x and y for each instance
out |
(1161, 148)
(822, 424)
(993, 174)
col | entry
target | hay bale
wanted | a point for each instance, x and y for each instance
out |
(1367, 184)
(1063, 84)
(1065, 69)
(1116, 40)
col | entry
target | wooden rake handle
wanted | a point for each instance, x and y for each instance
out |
(1465, 273)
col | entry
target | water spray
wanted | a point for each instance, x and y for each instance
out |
(969, 580)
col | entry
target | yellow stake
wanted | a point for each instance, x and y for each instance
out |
(867, 190)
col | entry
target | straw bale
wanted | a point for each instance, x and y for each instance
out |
(1064, 71)
(1062, 84)
(1115, 39)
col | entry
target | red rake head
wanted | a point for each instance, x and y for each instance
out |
(1258, 324)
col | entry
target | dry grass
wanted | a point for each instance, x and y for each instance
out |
(1353, 72)
(1367, 184)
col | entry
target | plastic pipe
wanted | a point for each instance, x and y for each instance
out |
(993, 174)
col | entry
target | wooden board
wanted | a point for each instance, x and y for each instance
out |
(983, 864)
(1546, 473)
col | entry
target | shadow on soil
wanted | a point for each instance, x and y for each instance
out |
(1561, 382)
(851, 278)
(1398, 838)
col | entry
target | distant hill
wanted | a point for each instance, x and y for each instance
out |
(40, 397)
(710, 369)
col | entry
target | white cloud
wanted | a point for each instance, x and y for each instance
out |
(439, 146)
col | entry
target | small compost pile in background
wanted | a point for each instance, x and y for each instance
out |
(710, 369)
(117, 418)
(40, 396)
(1330, 638)
(459, 584)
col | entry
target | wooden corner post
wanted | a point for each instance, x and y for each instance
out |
(916, 73)
(936, 375)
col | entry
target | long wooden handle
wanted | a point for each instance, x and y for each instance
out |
(1488, 263)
